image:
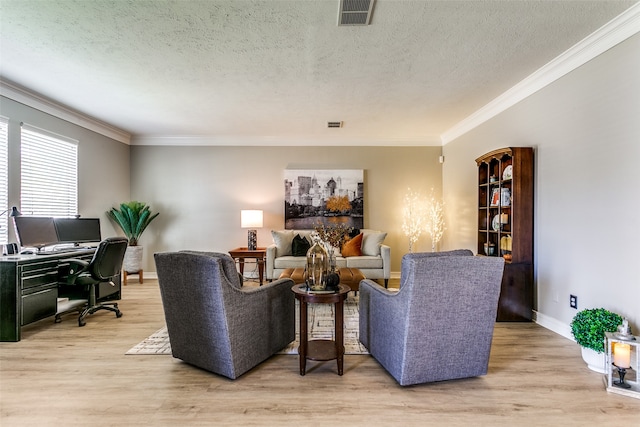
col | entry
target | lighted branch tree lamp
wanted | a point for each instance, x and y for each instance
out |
(251, 219)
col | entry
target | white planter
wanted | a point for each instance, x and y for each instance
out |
(594, 360)
(132, 259)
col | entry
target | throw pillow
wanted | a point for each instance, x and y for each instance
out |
(371, 243)
(300, 246)
(283, 240)
(353, 247)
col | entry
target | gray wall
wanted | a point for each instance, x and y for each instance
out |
(199, 191)
(103, 163)
(585, 128)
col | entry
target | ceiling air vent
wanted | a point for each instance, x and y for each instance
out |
(334, 124)
(355, 12)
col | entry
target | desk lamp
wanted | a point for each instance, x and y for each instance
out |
(251, 219)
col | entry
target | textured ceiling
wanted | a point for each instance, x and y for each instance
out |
(255, 70)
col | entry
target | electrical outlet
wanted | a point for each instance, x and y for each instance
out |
(573, 301)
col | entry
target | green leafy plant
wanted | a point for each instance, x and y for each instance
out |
(133, 218)
(588, 327)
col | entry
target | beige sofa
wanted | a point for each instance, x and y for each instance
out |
(375, 262)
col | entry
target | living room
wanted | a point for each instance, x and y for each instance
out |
(583, 127)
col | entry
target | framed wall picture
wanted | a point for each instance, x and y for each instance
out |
(325, 196)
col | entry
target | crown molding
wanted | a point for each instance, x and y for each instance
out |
(614, 32)
(30, 99)
(281, 140)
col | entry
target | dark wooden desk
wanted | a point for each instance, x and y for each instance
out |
(29, 288)
(321, 349)
(240, 254)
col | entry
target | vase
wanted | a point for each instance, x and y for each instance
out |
(132, 262)
(317, 266)
(332, 256)
(594, 360)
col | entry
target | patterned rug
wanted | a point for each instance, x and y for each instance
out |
(321, 326)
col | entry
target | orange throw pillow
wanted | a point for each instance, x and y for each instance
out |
(353, 247)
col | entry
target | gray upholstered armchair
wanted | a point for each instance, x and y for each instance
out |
(439, 325)
(216, 324)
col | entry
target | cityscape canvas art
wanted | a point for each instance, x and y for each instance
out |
(329, 197)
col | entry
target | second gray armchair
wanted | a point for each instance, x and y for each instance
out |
(216, 324)
(439, 326)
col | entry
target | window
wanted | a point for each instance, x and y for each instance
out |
(49, 174)
(4, 181)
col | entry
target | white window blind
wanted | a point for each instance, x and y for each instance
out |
(49, 178)
(4, 181)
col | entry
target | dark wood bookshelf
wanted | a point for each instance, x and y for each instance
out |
(505, 225)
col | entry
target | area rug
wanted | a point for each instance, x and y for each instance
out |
(321, 326)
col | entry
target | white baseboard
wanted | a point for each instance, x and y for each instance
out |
(553, 325)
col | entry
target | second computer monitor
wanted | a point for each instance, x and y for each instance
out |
(78, 230)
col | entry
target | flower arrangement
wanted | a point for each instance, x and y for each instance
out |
(332, 234)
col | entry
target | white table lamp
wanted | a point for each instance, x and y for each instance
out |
(251, 219)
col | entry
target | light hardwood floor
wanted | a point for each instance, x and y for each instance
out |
(60, 374)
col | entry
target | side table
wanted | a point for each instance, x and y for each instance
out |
(321, 349)
(240, 254)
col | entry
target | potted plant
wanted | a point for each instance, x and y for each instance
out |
(588, 327)
(133, 218)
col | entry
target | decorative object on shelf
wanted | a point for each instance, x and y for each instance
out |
(588, 327)
(506, 243)
(317, 266)
(508, 172)
(435, 226)
(133, 218)
(413, 217)
(495, 196)
(489, 249)
(251, 219)
(505, 197)
(622, 354)
(493, 178)
(495, 223)
(504, 218)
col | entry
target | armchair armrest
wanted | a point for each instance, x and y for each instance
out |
(387, 327)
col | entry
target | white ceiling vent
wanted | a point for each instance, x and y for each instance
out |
(355, 12)
(334, 124)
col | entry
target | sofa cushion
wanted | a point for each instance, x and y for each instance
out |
(353, 247)
(299, 246)
(290, 261)
(364, 262)
(371, 242)
(283, 240)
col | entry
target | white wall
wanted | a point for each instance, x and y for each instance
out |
(103, 163)
(199, 191)
(585, 129)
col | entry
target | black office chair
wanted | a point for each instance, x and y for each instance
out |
(105, 265)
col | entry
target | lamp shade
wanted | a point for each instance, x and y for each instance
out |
(251, 219)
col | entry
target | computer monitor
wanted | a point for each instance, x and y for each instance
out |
(78, 230)
(35, 232)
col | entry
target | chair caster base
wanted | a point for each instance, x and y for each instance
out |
(111, 307)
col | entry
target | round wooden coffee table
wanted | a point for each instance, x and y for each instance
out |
(321, 349)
